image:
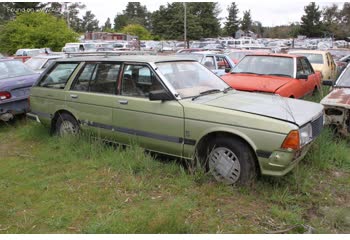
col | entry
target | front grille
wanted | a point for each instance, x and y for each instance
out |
(317, 126)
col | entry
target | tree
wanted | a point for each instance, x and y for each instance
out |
(120, 21)
(35, 30)
(137, 30)
(246, 22)
(6, 12)
(311, 25)
(257, 28)
(168, 22)
(89, 22)
(134, 13)
(108, 26)
(206, 14)
(232, 21)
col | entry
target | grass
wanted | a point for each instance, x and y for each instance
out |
(80, 185)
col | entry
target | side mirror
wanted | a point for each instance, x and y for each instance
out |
(302, 76)
(328, 83)
(162, 95)
(227, 70)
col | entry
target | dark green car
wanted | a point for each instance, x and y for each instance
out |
(178, 107)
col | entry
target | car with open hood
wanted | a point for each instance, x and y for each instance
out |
(282, 74)
(176, 106)
(337, 104)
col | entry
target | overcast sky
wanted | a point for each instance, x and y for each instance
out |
(268, 12)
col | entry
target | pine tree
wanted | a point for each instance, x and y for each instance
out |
(232, 21)
(311, 26)
(246, 23)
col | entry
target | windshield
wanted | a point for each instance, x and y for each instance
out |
(237, 55)
(266, 65)
(312, 57)
(9, 69)
(189, 78)
(344, 79)
(35, 63)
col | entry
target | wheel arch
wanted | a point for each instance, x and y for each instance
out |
(203, 142)
(56, 116)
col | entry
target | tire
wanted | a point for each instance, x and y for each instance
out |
(66, 125)
(231, 161)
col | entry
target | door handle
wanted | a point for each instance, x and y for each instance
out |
(74, 96)
(124, 102)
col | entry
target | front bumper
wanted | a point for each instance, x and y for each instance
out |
(280, 162)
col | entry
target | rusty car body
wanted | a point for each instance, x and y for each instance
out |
(337, 104)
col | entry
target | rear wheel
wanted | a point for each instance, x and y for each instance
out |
(66, 125)
(231, 161)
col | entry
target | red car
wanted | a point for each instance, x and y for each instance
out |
(287, 75)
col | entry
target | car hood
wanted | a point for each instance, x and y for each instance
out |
(274, 106)
(251, 82)
(338, 97)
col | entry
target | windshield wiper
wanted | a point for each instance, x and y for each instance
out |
(246, 73)
(278, 74)
(206, 93)
(227, 89)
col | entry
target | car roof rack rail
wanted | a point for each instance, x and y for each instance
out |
(110, 53)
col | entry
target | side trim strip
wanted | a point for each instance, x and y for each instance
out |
(141, 133)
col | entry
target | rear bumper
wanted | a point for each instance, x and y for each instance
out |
(15, 107)
(34, 117)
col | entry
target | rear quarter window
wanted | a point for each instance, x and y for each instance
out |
(58, 75)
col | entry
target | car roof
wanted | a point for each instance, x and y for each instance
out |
(275, 55)
(308, 51)
(130, 58)
(48, 56)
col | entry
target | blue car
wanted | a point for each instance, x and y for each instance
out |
(16, 79)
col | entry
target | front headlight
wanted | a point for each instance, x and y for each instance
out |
(305, 134)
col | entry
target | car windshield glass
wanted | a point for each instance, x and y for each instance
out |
(237, 55)
(344, 79)
(10, 69)
(265, 65)
(312, 57)
(189, 78)
(89, 46)
(35, 63)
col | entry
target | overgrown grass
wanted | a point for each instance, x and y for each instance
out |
(82, 185)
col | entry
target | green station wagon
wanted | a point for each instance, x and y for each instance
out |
(176, 106)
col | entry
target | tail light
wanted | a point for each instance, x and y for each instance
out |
(292, 141)
(5, 95)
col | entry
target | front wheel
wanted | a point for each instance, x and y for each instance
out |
(66, 125)
(231, 161)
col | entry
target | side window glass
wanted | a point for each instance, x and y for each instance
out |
(58, 76)
(306, 67)
(222, 63)
(209, 62)
(104, 79)
(138, 81)
(82, 82)
(300, 69)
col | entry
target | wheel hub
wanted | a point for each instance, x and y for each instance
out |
(224, 165)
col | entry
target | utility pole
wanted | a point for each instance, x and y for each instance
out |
(185, 25)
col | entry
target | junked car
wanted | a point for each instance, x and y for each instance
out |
(337, 104)
(321, 61)
(15, 82)
(41, 62)
(218, 63)
(176, 106)
(282, 74)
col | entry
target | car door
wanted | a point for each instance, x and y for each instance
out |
(91, 96)
(154, 125)
(311, 81)
(300, 87)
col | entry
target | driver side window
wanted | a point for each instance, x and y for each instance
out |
(138, 81)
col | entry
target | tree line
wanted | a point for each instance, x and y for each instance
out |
(22, 23)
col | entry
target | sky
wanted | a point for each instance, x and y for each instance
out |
(268, 12)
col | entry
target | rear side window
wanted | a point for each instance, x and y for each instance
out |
(58, 76)
(98, 78)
